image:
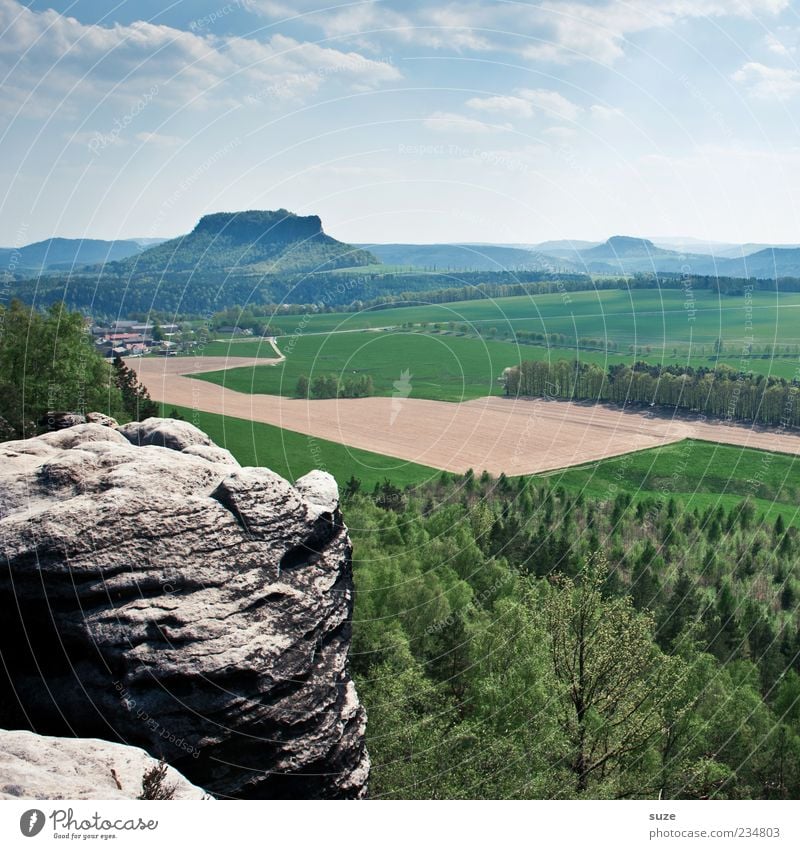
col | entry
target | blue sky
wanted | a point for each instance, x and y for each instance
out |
(403, 121)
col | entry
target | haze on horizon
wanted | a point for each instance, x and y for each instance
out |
(500, 122)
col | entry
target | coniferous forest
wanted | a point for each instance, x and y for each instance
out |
(515, 640)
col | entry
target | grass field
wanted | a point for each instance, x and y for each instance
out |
(661, 318)
(293, 454)
(454, 367)
(446, 368)
(696, 474)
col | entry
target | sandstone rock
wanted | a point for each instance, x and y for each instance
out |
(169, 433)
(102, 419)
(167, 598)
(320, 489)
(35, 767)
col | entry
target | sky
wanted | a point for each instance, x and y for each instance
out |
(403, 121)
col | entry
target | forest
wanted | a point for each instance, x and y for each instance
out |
(48, 363)
(513, 640)
(721, 392)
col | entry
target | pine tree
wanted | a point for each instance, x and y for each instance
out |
(136, 400)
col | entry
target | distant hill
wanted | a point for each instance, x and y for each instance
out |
(630, 255)
(229, 258)
(768, 263)
(564, 248)
(461, 257)
(256, 242)
(64, 254)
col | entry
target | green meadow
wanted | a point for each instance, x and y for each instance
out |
(696, 474)
(446, 368)
(660, 318)
(457, 351)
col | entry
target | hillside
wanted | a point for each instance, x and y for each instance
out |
(64, 254)
(767, 263)
(258, 242)
(462, 257)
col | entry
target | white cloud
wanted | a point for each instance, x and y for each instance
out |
(768, 83)
(775, 45)
(64, 60)
(605, 113)
(560, 133)
(525, 102)
(448, 122)
(552, 103)
(509, 104)
(552, 30)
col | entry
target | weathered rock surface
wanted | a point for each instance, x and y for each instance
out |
(170, 599)
(35, 767)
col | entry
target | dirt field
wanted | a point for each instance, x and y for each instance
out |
(496, 434)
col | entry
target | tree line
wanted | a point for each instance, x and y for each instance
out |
(331, 386)
(721, 392)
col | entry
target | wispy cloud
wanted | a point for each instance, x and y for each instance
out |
(561, 31)
(506, 104)
(526, 102)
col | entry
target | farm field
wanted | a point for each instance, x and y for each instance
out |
(441, 368)
(292, 454)
(710, 475)
(451, 367)
(660, 318)
(696, 474)
(517, 437)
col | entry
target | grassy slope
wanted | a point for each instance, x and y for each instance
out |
(697, 474)
(293, 454)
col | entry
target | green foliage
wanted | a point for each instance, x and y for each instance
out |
(721, 392)
(500, 654)
(48, 363)
(136, 399)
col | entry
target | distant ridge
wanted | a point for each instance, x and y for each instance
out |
(64, 254)
(464, 257)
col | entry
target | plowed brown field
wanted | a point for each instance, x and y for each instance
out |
(500, 435)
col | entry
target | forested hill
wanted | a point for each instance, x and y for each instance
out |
(255, 241)
(253, 257)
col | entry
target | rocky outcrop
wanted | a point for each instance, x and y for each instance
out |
(35, 767)
(156, 593)
(58, 420)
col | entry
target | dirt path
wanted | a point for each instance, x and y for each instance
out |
(497, 434)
